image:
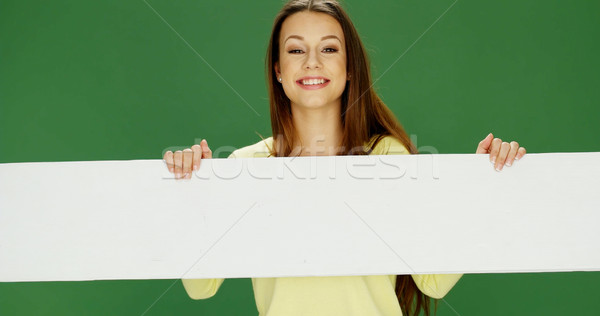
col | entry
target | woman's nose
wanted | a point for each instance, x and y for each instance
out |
(312, 60)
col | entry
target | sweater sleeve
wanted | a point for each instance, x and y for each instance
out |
(199, 289)
(436, 285)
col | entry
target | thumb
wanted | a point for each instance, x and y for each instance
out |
(206, 152)
(484, 145)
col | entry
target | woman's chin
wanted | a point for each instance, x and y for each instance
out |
(315, 103)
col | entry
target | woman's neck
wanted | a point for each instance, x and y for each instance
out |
(318, 131)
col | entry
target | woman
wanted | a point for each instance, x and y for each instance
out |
(322, 103)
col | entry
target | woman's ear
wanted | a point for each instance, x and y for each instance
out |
(276, 68)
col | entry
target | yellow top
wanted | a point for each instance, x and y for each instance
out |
(339, 295)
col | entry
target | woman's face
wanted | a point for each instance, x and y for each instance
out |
(312, 60)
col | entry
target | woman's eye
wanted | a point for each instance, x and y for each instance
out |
(299, 51)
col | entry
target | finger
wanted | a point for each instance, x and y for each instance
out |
(168, 158)
(197, 156)
(187, 163)
(495, 149)
(522, 151)
(512, 153)
(484, 145)
(206, 152)
(178, 163)
(504, 149)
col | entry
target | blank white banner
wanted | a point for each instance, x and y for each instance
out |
(304, 216)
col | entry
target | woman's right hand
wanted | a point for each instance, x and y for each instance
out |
(182, 163)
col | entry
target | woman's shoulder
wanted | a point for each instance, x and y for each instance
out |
(257, 150)
(388, 145)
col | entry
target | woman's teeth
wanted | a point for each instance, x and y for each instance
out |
(313, 82)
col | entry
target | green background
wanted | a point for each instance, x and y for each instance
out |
(110, 80)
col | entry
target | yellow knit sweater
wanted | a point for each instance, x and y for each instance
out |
(339, 295)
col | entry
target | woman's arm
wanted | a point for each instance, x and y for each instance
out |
(501, 153)
(183, 163)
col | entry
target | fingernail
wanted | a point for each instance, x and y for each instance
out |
(516, 158)
(178, 175)
(195, 167)
(508, 163)
(187, 175)
(498, 168)
(493, 160)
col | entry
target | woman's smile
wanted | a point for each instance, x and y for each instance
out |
(312, 82)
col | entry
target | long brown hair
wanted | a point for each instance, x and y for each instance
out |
(364, 115)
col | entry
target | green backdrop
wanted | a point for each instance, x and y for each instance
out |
(116, 80)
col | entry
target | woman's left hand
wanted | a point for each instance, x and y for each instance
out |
(501, 153)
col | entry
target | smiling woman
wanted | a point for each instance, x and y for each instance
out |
(322, 103)
(121, 80)
(324, 90)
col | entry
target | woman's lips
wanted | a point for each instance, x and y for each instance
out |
(312, 86)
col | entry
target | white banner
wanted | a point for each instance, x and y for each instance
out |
(303, 216)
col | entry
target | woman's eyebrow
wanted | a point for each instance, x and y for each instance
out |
(322, 38)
